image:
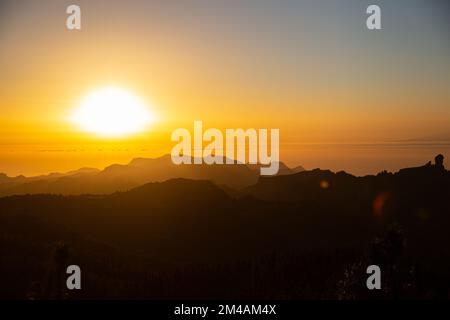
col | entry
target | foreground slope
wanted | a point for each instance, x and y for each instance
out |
(290, 237)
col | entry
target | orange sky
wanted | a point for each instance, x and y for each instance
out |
(324, 82)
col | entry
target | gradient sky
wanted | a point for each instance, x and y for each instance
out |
(310, 68)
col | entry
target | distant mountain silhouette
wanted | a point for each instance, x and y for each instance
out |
(124, 177)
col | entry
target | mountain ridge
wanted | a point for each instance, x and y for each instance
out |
(121, 177)
(194, 232)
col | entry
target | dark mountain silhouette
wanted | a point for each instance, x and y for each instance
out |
(124, 177)
(327, 186)
(305, 235)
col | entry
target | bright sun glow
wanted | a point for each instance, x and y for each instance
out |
(112, 112)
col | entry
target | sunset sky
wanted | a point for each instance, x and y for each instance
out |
(343, 97)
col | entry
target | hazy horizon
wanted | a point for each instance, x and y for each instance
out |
(365, 158)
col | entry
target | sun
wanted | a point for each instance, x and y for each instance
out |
(112, 112)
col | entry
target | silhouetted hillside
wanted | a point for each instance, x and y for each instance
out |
(306, 235)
